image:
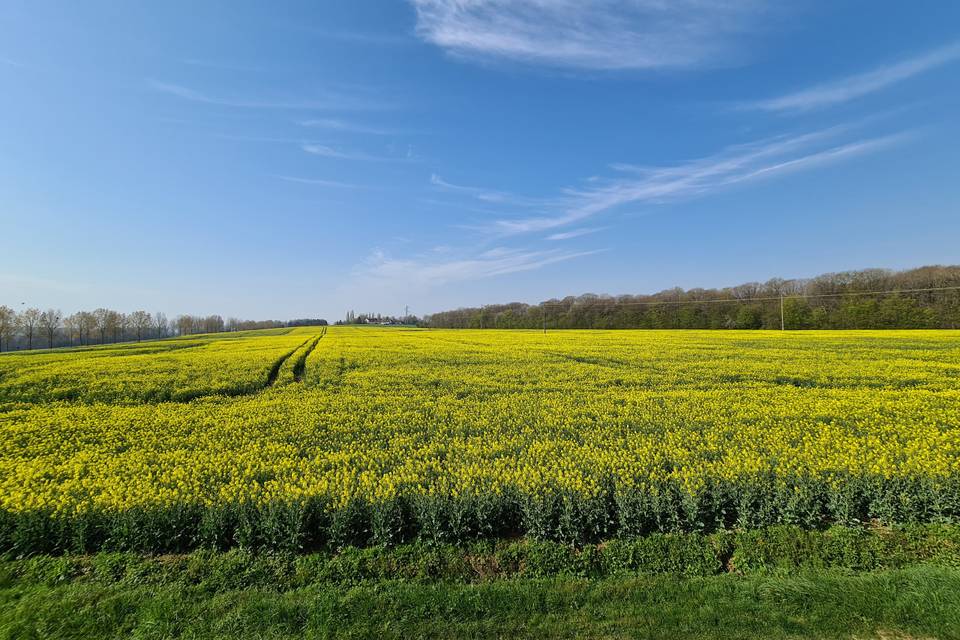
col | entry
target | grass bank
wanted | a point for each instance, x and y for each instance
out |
(788, 582)
(920, 601)
(781, 550)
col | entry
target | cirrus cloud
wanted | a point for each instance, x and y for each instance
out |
(657, 185)
(857, 86)
(591, 34)
(428, 271)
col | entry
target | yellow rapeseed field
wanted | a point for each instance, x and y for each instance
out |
(364, 434)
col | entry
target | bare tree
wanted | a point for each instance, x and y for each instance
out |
(28, 321)
(8, 325)
(746, 291)
(140, 320)
(71, 327)
(85, 325)
(775, 287)
(160, 324)
(185, 324)
(102, 319)
(212, 324)
(50, 322)
(120, 324)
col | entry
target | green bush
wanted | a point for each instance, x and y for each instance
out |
(309, 525)
(770, 551)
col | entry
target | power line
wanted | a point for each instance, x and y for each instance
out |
(779, 298)
(753, 299)
(609, 302)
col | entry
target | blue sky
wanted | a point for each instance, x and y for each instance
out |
(304, 158)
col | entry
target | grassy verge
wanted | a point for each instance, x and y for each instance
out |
(777, 582)
(920, 601)
(781, 550)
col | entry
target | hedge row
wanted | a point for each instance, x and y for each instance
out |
(778, 550)
(560, 516)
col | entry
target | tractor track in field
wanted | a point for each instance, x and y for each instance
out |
(275, 369)
(274, 373)
(300, 366)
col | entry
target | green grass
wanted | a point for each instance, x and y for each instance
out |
(779, 582)
(783, 550)
(920, 601)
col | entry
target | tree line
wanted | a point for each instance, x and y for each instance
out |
(32, 328)
(845, 300)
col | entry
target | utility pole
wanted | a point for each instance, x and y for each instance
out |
(781, 312)
(544, 318)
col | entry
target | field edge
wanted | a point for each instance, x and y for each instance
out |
(915, 602)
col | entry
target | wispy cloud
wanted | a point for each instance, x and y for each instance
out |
(460, 206)
(659, 185)
(853, 87)
(440, 268)
(320, 182)
(490, 196)
(822, 157)
(576, 233)
(591, 34)
(326, 151)
(328, 102)
(10, 62)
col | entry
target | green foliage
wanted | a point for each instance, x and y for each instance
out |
(772, 550)
(309, 524)
(830, 301)
(749, 317)
(913, 602)
(777, 582)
